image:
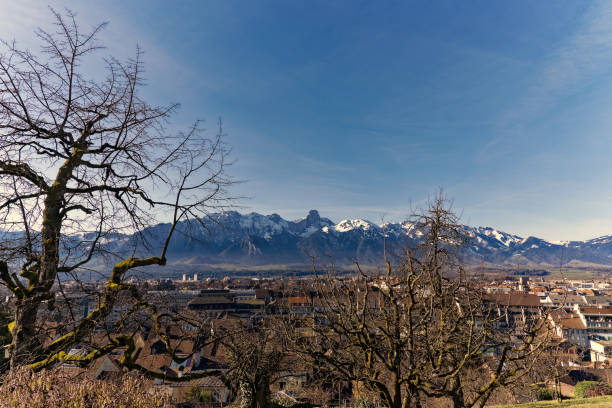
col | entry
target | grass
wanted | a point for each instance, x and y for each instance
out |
(570, 273)
(597, 402)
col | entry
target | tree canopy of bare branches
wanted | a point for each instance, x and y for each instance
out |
(419, 330)
(82, 159)
(255, 360)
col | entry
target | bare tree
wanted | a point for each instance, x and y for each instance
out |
(255, 361)
(83, 160)
(419, 330)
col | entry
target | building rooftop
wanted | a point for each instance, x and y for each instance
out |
(574, 323)
(207, 300)
(593, 310)
(515, 299)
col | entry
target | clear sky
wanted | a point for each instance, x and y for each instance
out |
(364, 109)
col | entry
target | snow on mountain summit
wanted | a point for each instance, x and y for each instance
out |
(254, 239)
(606, 239)
(507, 240)
(349, 225)
(310, 224)
(262, 224)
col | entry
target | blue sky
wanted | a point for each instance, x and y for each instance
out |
(364, 109)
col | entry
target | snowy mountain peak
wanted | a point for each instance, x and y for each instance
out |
(606, 239)
(505, 239)
(250, 239)
(349, 225)
(262, 224)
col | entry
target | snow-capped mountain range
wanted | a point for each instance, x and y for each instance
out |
(231, 238)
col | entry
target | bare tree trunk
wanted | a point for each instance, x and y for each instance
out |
(458, 400)
(247, 395)
(262, 395)
(24, 340)
(24, 331)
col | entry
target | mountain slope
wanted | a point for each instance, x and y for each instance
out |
(248, 240)
(254, 239)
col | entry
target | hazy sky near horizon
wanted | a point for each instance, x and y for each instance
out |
(363, 109)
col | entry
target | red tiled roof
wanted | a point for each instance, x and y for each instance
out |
(515, 299)
(596, 310)
(572, 323)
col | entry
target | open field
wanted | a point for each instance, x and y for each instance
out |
(570, 273)
(552, 273)
(598, 402)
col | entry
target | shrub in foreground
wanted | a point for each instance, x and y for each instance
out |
(197, 394)
(544, 394)
(599, 391)
(583, 387)
(53, 388)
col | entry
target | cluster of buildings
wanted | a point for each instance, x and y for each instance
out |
(580, 312)
(182, 346)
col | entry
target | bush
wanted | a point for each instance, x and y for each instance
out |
(362, 403)
(196, 394)
(544, 394)
(599, 391)
(583, 387)
(54, 388)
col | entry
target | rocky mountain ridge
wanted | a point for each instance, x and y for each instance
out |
(232, 240)
(254, 239)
